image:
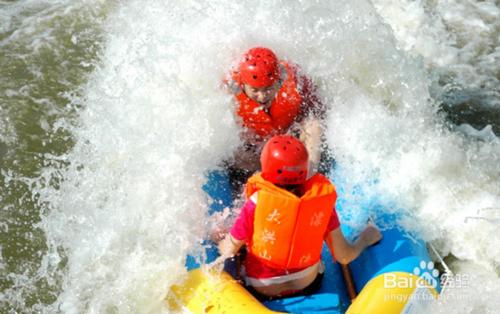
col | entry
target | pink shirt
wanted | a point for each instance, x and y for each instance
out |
(243, 230)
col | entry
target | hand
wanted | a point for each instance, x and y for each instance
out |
(217, 226)
(371, 235)
(218, 233)
(218, 264)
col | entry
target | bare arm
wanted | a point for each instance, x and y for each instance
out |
(311, 117)
(229, 246)
(343, 251)
(310, 135)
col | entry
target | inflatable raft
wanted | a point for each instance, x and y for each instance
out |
(395, 275)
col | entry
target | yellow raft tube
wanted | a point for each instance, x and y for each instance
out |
(217, 292)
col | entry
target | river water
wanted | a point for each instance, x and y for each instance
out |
(111, 111)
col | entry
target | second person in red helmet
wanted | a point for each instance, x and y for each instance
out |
(272, 97)
(284, 222)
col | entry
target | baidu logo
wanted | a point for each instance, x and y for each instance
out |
(428, 275)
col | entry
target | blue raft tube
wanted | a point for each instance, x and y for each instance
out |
(395, 275)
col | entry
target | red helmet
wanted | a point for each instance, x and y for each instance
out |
(259, 68)
(284, 160)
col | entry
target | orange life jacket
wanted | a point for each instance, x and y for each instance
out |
(282, 113)
(289, 230)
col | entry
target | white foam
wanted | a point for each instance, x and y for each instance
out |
(485, 134)
(472, 290)
(155, 118)
(457, 39)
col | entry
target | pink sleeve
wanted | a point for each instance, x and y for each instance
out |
(334, 222)
(243, 226)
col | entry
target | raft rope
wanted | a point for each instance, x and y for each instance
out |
(441, 260)
(447, 271)
(488, 219)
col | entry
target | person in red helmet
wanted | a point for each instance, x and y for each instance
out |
(272, 97)
(284, 221)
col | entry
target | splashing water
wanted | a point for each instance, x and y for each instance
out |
(124, 133)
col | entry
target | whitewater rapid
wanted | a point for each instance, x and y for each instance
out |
(122, 206)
